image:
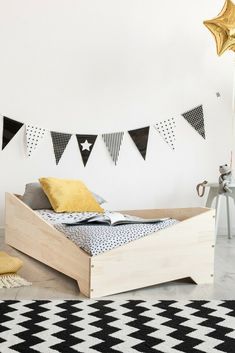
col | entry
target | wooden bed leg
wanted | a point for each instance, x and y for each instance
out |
(84, 289)
(203, 278)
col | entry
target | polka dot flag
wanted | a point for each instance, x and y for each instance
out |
(34, 135)
(166, 129)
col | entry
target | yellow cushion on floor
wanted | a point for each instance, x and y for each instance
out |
(68, 195)
(9, 264)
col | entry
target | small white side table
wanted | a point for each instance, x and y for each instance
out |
(213, 192)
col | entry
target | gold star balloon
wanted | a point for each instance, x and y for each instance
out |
(223, 28)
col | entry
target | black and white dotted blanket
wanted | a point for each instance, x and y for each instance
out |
(96, 239)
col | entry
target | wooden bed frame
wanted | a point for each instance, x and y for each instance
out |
(183, 250)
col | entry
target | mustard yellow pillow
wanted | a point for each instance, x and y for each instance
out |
(9, 264)
(66, 195)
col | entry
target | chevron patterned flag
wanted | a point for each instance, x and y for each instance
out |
(86, 144)
(113, 143)
(10, 129)
(195, 117)
(140, 138)
(117, 326)
(60, 142)
(166, 129)
(34, 136)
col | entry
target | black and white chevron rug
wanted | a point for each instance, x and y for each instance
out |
(117, 326)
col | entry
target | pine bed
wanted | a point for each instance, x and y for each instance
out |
(183, 250)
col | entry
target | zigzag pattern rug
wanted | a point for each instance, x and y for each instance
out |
(117, 326)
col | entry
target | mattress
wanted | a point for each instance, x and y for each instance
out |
(96, 239)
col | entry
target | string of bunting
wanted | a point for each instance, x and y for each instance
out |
(113, 141)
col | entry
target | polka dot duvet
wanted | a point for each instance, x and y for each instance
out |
(96, 239)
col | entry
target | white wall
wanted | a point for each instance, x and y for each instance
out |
(89, 66)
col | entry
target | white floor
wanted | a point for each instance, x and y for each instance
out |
(50, 284)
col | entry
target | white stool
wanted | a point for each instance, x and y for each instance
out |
(213, 192)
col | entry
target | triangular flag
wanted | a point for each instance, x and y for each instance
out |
(195, 118)
(140, 138)
(60, 141)
(166, 129)
(86, 144)
(113, 143)
(33, 136)
(10, 129)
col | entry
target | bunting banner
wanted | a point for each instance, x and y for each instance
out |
(86, 144)
(140, 138)
(113, 143)
(34, 135)
(10, 129)
(60, 142)
(166, 129)
(195, 117)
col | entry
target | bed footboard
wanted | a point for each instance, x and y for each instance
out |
(183, 250)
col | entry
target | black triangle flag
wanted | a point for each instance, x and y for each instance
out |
(59, 141)
(10, 129)
(195, 118)
(140, 138)
(86, 144)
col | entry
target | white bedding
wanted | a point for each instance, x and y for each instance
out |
(96, 239)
